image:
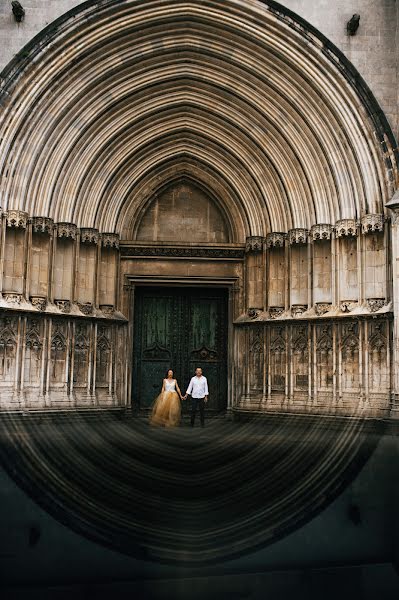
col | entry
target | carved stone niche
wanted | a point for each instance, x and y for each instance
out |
(107, 309)
(89, 235)
(322, 307)
(16, 218)
(321, 231)
(85, 307)
(110, 240)
(374, 304)
(276, 311)
(39, 302)
(298, 235)
(42, 225)
(254, 244)
(298, 309)
(63, 305)
(373, 223)
(66, 230)
(346, 228)
(12, 297)
(275, 239)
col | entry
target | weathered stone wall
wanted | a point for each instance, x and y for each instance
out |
(373, 50)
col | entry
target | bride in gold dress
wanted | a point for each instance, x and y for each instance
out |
(167, 410)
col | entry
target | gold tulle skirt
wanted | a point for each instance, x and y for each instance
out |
(166, 410)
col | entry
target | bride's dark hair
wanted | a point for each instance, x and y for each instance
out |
(167, 372)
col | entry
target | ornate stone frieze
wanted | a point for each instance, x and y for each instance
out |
(321, 231)
(348, 305)
(107, 309)
(322, 307)
(188, 252)
(110, 240)
(377, 339)
(298, 236)
(298, 309)
(275, 239)
(42, 225)
(85, 307)
(346, 228)
(89, 235)
(254, 312)
(372, 223)
(16, 218)
(66, 230)
(276, 311)
(39, 302)
(12, 297)
(374, 304)
(254, 243)
(63, 305)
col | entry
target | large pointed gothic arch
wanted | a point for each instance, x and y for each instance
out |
(112, 90)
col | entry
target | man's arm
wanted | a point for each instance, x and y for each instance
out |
(206, 389)
(190, 387)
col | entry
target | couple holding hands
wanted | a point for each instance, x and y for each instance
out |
(167, 410)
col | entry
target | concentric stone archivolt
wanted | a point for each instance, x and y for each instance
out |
(257, 113)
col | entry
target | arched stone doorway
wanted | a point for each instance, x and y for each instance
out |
(122, 111)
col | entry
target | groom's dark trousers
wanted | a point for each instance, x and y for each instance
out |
(195, 403)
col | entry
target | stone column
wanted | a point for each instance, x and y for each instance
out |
(393, 206)
(298, 270)
(322, 267)
(86, 281)
(276, 273)
(254, 273)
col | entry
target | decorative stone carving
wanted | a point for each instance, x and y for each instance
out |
(16, 218)
(85, 307)
(32, 339)
(170, 251)
(39, 302)
(254, 312)
(298, 236)
(275, 239)
(395, 216)
(89, 235)
(12, 298)
(298, 309)
(42, 225)
(300, 341)
(58, 340)
(110, 240)
(276, 311)
(66, 230)
(324, 342)
(372, 223)
(322, 307)
(377, 339)
(346, 227)
(63, 305)
(277, 340)
(321, 231)
(254, 244)
(375, 304)
(348, 305)
(107, 309)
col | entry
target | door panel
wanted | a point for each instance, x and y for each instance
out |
(182, 329)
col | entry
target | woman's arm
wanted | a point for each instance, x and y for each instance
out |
(178, 390)
(163, 385)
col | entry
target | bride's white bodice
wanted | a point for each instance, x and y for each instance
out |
(170, 386)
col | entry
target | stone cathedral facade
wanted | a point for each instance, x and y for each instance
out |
(196, 184)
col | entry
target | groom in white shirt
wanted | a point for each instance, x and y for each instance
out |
(198, 390)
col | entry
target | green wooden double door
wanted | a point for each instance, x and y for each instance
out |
(179, 329)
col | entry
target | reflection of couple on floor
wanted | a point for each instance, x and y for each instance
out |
(167, 409)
